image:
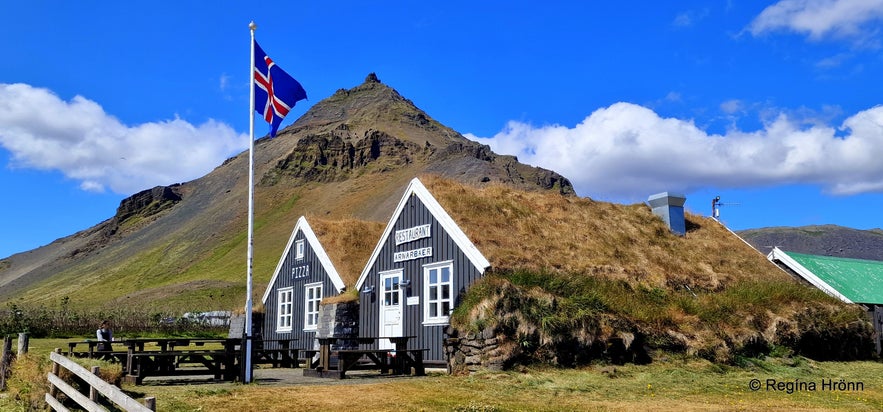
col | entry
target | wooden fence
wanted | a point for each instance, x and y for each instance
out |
(96, 386)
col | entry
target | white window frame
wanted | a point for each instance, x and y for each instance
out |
(299, 247)
(284, 309)
(433, 318)
(311, 317)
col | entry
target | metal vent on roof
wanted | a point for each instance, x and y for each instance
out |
(670, 207)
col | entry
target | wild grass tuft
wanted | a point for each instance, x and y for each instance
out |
(749, 318)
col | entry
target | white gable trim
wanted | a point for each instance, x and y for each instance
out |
(317, 248)
(781, 256)
(438, 212)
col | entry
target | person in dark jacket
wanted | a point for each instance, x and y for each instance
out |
(104, 335)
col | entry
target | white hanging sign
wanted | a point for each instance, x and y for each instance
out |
(412, 233)
(412, 254)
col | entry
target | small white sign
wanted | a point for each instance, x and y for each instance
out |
(412, 234)
(412, 254)
(413, 300)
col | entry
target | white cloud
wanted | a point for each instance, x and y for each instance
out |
(821, 18)
(626, 152)
(86, 144)
(731, 106)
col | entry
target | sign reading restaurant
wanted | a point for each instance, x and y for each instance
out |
(412, 233)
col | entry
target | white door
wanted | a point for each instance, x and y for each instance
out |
(390, 307)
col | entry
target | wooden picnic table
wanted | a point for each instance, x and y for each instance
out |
(403, 359)
(94, 352)
(177, 356)
(182, 356)
(277, 352)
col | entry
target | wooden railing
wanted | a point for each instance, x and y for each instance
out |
(96, 386)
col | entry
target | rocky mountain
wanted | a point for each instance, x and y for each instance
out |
(825, 240)
(184, 246)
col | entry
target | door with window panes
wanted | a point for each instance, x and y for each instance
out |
(390, 307)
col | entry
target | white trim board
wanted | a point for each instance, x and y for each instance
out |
(781, 256)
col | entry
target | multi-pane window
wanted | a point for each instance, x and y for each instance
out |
(284, 302)
(312, 297)
(299, 249)
(391, 294)
(439, 284)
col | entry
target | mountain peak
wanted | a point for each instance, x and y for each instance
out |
(368, 104)
(372, 78)
(373, 127)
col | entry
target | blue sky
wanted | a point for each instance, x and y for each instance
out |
(773, 105)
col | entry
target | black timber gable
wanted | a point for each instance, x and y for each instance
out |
(419, 238)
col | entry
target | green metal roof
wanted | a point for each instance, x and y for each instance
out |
(861, 281)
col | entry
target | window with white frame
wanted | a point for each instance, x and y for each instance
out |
(312, 297)
(299, 249)
(283, 309)
(438, 281)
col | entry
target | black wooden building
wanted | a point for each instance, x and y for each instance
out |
(418, 271)
(303, 277)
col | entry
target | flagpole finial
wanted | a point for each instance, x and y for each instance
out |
(252, 26)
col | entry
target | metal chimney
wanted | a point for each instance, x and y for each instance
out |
(670, 207)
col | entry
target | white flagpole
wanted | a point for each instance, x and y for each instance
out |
(248, 288)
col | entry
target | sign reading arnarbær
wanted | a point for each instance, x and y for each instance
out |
(412, 254)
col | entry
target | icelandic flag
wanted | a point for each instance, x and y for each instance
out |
(275, 92)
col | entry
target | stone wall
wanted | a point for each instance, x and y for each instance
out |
(493, 350)
(474, 351)
(339, 320)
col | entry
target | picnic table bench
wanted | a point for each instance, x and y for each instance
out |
(159, 357)
(398, 361)
(220, 364)
(93, 351)
(281, 354)
(182, 357)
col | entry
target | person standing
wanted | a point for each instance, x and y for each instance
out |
(104, 335)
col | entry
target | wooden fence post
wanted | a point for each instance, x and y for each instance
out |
(23, 339)
(5, 362)
(150, 403)
(93, 393)
(56, 368)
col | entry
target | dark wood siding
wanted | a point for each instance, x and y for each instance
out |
(443, 249)
(285, 279)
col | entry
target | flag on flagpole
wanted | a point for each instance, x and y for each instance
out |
(275, 91)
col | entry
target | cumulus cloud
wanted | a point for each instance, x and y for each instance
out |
(626, 152)
(821, 18)
(79, 139)
(731, 106)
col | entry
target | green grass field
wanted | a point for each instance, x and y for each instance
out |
(672, 383)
